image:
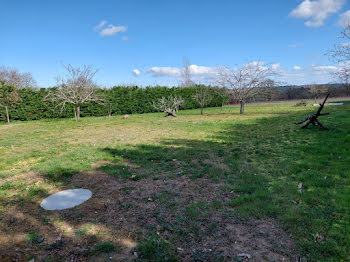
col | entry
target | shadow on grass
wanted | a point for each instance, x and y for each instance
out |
(267, 161)
(257, 167)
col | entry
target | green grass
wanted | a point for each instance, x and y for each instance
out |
(265, 156)
(156, 249)
(103, 247)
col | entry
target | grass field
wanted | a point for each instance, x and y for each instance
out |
(191, 188)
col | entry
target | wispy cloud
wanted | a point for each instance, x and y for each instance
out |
(110, 29)
(100, 25)
(325, 69)
(316, 11)
(125, 38)
(344, 20)
(309, 74)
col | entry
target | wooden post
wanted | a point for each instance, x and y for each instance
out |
(7, 114)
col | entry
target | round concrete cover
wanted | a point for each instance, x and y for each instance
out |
(66, 199)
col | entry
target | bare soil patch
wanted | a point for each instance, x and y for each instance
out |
(190, 212)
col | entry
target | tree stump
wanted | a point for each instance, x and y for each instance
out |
(170, 112)
(312, 119)
(125, 116)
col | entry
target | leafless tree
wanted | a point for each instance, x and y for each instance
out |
(340, 54)
(244, 82)
(168, 104)
(186, 74)
(223, 94)
(76, 87)
(8, 97)
(316, 90)
(203, 96)
(12, 77)
(107, 102)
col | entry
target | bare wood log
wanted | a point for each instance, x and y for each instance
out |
(319, 124)
(170, 112)
(312, 119)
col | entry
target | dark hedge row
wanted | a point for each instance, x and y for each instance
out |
(125, 100)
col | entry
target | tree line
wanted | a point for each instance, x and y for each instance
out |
(32, 104)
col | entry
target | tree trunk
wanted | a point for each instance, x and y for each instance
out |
(202, 110)
(7, 115)
(315, 100)
(109, 111)
(78, 113)
(241, 109)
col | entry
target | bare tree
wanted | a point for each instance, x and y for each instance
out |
(223, 94)
(186, 74)
(245, 82)
(8, 97)
(168, 105)
(316, 90)
(340, 54)
(76, 87)
(203, 96)
(12, 77)
(107, 102)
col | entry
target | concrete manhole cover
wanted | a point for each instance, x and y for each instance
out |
(66, 199)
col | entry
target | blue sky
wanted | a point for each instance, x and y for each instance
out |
(152, 37)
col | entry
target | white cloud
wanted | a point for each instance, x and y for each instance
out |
(309, 74)
(112, 30)
(100, 25)
(296, 75)
(316, 11)
(344, 20)
(275, 67)
(165, 71)
(202, 70)
(136, 72)
(125, 38)
(324, 69)
(203, 74)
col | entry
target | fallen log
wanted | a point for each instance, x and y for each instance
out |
(170, 112)
(312, 119)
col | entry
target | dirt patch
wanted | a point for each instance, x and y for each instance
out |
(191, 212)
